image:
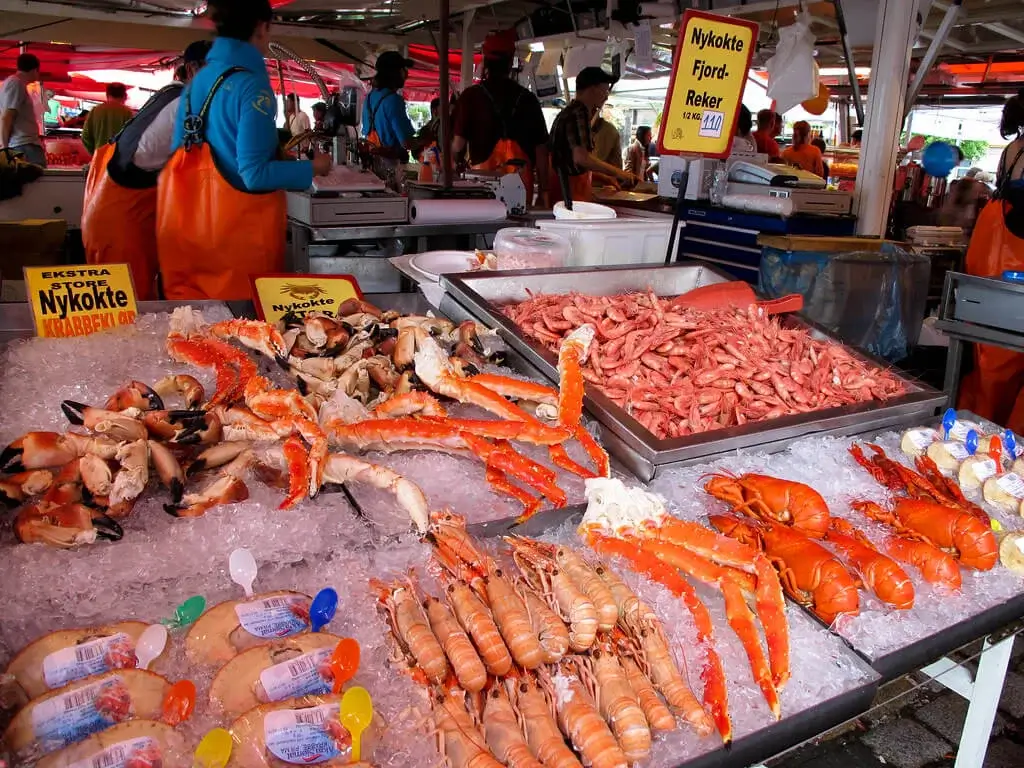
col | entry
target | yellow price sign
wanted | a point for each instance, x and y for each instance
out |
(709, 71)
(278, 295)
(76, 301)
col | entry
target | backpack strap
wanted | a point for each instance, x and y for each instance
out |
(195, 124)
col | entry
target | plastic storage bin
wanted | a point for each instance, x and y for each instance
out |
(616, 241)
(869, 292)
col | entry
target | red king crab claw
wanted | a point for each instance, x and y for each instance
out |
(135, 394)
(119, 426)
(64, 525)
(256, 335)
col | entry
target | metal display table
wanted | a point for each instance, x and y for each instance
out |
(980, 310)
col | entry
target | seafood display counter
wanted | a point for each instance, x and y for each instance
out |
(491, 298)
(247, 524)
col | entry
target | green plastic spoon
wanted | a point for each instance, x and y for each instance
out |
(356, 715)
(214, 750)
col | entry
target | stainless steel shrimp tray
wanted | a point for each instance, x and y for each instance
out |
(482, 295)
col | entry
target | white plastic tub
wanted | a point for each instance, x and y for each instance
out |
(617, 241)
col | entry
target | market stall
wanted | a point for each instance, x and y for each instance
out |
(354, 538)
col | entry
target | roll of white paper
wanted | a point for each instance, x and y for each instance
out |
(455, 211)
(780, 206)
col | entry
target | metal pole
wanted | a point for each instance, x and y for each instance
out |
(890, 66)
(848, 56)
(446, 112)
(948, 21)
(466, 75)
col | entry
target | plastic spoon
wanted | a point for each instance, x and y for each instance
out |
(179, 703)
(323, 608)
(187, 612)
(243, 569)
(150, 645)
(214, 750)
(1010, 443)
(995, 450)
(344, 662)
(971, 442)
(948, 420)
(356, 714)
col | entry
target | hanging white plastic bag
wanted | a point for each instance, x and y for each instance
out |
(792, 71)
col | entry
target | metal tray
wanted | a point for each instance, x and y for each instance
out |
(481, 295)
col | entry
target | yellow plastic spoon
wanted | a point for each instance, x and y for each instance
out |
(214, 750)
(356, 714)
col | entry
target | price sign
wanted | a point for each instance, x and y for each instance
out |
(78, 301)
(709, 71)
(278, 295)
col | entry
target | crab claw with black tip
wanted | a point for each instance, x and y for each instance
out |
(64, 525)
(167, 469)
(120, 426)
(226, 489)
(135, 394)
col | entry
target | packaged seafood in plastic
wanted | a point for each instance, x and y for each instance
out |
(77, 711)
(233, 626)
(299, 731)
(135, 744)
(62, 657)
(284, 669)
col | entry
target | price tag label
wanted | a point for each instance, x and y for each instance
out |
(709, 71)
(711, 124)
(278, 295)
(77, 301)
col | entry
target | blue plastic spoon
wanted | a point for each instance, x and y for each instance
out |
(323, 608)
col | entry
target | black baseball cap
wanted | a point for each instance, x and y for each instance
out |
(590, 76)
(392, 61)
(197, 52)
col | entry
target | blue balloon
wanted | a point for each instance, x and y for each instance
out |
(939, 159)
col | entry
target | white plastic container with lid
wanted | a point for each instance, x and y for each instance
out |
(522, 248)
(613, 241)
(583, 211)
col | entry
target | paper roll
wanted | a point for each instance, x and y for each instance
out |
(456, 211)
(780, 206)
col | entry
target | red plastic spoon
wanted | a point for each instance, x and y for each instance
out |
(179, 702)
(344, 662)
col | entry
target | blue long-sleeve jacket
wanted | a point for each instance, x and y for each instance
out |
(241, 125)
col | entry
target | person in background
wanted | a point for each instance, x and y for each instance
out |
(743, 142)
(298, 121)
(119, 212)
(78, 121)
(964, 200)
(608, 149)
(819, 142)
(319, 114)
(802, 153)
(500, 124)
(429, 156)
(180, 73)
(994, 388)
(857, 137)
(637, 160)
(221, 207)
(51, 117)
(764, 136)
(572, 142)
(386, 124)
(107, 119)
(19, 130)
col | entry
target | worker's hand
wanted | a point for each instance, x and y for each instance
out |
(629, 180)
(322, 164)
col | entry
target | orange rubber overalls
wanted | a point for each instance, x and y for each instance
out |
(994, 389)
(119, 210)
(212, 236)
(507, 156)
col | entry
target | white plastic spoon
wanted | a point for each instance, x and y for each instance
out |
(150, 645)
(242, 566)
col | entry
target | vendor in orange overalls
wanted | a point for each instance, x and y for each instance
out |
(995, 388)
(501, 123)
(572, 141)
(220, 204)
(119, 212)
